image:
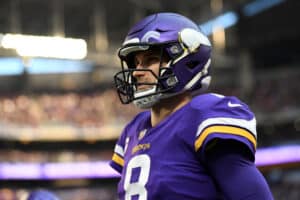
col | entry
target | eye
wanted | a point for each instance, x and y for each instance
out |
(151, 60)
(136, 62)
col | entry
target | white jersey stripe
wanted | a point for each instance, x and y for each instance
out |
(119, 150)
(247, 124)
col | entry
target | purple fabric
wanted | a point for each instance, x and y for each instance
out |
(166, 23)
(235, 174)
(241, 139)
(175, 169)
(42, 195)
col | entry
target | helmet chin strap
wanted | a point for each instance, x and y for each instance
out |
(147, 101)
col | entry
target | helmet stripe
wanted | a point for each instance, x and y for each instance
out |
(197, 76)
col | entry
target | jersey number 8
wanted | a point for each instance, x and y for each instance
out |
(137, 188)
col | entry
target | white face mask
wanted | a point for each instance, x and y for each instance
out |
(148, 101)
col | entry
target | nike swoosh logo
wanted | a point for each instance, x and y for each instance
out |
(233, 105)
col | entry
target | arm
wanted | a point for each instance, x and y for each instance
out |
(231, 164)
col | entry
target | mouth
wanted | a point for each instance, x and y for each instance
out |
(143, 87)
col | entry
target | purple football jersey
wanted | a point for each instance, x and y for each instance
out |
(165, 161)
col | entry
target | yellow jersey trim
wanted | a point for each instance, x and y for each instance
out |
(117, 159)
(226, 130)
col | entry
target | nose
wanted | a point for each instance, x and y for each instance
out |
(138, 73)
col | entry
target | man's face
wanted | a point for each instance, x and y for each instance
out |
(146, 60)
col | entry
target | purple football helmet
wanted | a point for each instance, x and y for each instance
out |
(42, 194)
(180, 40)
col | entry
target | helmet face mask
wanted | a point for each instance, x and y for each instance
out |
(127, 84)
(184, 54)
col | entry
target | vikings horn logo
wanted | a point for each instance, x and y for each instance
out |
(145, 38)
(150, 34)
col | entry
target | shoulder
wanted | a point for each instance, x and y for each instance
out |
(224, 117)
(216, 105)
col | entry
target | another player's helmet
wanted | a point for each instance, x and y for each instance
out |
(42, 195)
(180, 40)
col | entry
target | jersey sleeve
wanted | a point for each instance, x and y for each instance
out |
(226, 118)
(117, 161)
(230, 166)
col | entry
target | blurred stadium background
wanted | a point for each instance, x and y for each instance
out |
(59, 113)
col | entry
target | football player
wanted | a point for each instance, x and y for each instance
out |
(187, 144)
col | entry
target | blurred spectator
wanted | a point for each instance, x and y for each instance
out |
(103, 108)
(82, 110)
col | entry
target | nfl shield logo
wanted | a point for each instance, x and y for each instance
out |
(142, 134)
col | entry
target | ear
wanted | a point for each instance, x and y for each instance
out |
(192, 39)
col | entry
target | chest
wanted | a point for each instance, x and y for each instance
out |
(165, 145)
(157, 156)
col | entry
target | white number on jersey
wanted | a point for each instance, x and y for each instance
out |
(137, 188)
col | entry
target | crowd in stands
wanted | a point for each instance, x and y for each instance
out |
(82, 110)
(102, 108)
(267, 95)
(273, 95)
(286, 191)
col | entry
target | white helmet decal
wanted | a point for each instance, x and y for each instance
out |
(150, 34)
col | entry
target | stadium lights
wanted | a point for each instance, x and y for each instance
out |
(265, 157)
(45, 46)
(15, 66)
(230, 18)
(259, 6)
(225, 20)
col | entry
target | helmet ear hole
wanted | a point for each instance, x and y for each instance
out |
(174, 50)
(192, 64)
